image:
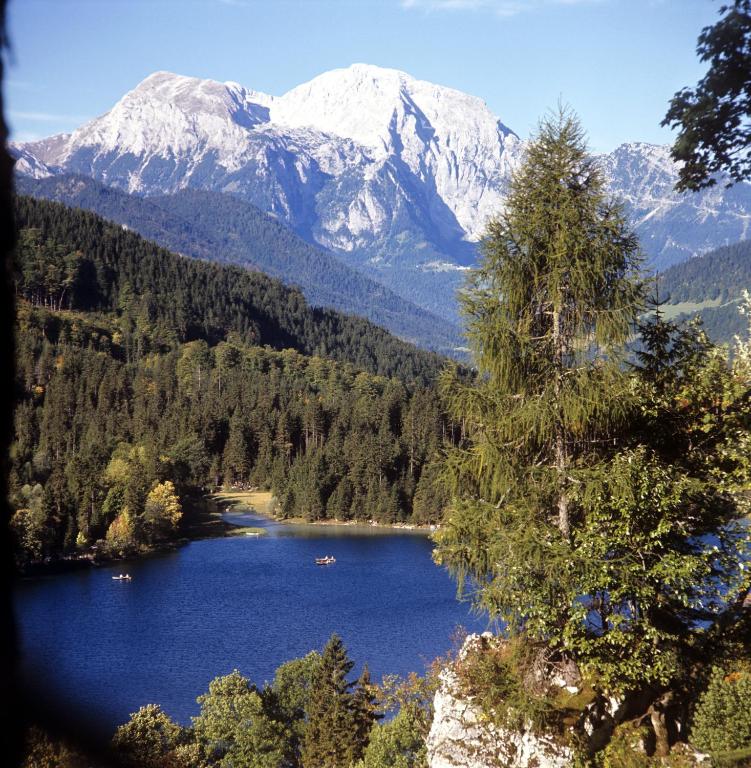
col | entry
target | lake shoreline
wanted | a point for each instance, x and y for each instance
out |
(263, 502)
(225, 603)
(207, 523)
(201, 523)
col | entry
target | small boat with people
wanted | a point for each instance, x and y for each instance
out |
(327, 560)
(123, 577)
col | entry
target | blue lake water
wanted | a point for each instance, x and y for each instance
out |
(108, 647)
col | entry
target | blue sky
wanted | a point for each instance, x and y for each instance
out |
(617, 62)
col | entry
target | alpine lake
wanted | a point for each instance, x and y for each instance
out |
(104, 647)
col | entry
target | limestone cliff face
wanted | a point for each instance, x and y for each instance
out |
(462, 737)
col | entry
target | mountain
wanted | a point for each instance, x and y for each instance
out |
(395, 175)
(220, 227)
(163, 296)
(675, 226)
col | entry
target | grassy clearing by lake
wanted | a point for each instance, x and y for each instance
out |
(261, 502)
(246, 530)
(264, 503)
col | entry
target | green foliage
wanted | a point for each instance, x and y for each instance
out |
(721, 274)
(226, 229)
(162, 298)
(553, 299)
(310, 703)
(597, 509)
(95, 435)
(500, 678)
(148, 738)
(293, 685)
(338, 720)
(628, 749)
(721, 721)
(365, 711)
(737, 758)
(43, 751)
(116, 402)
(290, 696)
(47, 270)
(235, 726)
(398, 743)
(714, 119)
(311, 712)
(31, 527)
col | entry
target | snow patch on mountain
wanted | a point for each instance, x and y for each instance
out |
(443, 266)
(396, 175)
(28, 164)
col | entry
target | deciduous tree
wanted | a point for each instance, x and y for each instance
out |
(714, 118)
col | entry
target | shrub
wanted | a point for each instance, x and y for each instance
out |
(496, 675)
(722, 720)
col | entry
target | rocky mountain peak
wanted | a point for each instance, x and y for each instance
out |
(380, 107)
(396, 175)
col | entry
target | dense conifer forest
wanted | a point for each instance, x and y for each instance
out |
(104, 267)
(142, 382)
(221, 228)
(720, 274)
(717, 279)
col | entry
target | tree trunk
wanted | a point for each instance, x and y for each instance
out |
(560, 465)
(662, 741)
(658, 717)
(561, 459)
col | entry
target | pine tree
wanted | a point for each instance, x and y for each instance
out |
(554, 298)
(366, 714)
(331, 714)
(235, 459)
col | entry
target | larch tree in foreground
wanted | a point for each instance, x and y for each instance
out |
(573, 520)
(548, 310)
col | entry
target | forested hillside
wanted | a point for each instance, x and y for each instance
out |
(104, 267)
(219, 227)
(710, 285)
(720, 274)
(141, 383)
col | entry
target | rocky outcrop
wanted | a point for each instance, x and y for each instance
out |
(462, 736)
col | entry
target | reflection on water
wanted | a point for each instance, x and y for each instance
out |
(242, 602)
(318, 530)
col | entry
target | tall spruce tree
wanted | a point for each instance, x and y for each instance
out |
(332, 722)
(548, 310)
(366, 714)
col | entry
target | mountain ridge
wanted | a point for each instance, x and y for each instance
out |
(217, 227)
(395, 176)
(117, 270)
